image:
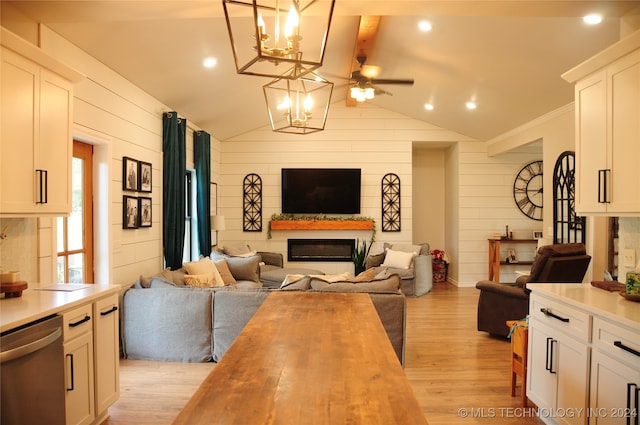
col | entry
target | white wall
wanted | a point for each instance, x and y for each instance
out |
(428, 196)
(486, 206)
(367, 137)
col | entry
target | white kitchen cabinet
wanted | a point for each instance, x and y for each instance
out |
(92, 356)
(615, 374)
(584, 355)
(107, 355)
(36, 139)
(79, 374)
(559, 359)
(607, 103)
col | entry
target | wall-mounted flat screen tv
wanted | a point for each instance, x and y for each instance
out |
(321, 190)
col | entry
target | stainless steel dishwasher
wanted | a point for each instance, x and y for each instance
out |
(32, 374)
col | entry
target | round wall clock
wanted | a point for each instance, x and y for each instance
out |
(527, 190)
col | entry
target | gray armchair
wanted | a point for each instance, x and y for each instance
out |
(417, 278)
(499, 302)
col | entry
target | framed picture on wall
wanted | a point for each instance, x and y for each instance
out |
(144, 212)
(129, 174)
(129, 212)
(144, 175)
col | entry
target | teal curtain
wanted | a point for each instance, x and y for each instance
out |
(174, 132)
(202, 160)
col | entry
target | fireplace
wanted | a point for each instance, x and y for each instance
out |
(320, 249)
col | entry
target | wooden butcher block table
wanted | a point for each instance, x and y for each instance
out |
(308, 358)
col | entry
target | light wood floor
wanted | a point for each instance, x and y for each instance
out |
(451, 366)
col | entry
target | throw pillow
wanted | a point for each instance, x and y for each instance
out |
(225, 273)
(175, 276)
(374, 260)
(241, 268)
(205, 280)
(143, 282)
(398, 259)
(203, 267)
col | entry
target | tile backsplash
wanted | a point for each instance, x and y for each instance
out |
(19, 250)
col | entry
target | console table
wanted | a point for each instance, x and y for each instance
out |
(495, 261)
(308, 358)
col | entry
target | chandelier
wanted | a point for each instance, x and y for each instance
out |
(298, 101)
(267, 33)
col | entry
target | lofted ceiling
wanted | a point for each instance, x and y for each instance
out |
(505, 55)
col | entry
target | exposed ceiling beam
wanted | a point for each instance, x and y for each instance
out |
(367, 30)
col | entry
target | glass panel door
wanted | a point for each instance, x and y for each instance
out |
(75, 233)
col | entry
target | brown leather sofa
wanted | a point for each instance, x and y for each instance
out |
(499, 302)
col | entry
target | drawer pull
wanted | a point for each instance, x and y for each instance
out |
(548, 313)
(108, 312)
(619, 344)
(79, 322)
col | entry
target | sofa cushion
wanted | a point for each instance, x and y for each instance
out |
(232, 311)
(176, 326)
(398, 259)
(242, 268)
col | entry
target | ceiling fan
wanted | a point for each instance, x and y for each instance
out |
(364, 79)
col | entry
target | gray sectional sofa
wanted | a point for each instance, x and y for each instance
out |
(168, 321)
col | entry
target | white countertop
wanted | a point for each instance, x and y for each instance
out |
(35, 304)
(607, 304)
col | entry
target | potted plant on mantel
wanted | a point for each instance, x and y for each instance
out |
(359, 255)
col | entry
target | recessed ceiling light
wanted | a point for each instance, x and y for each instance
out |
(209, 62)
(424, 26)
(471, 105)
(428, 106)
(592, 19)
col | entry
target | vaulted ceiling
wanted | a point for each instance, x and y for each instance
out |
(505, 55)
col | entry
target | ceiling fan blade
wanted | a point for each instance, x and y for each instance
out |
(405, 81)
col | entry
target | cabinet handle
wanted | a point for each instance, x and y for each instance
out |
(547, 360)
(635, 409)
(79, 322)
(619, 344)
(603, 186)
(632, 388)
(39, 185)
(70, 357)
(551, 369)
(548, 313)
(46, 187)
(108, 312)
